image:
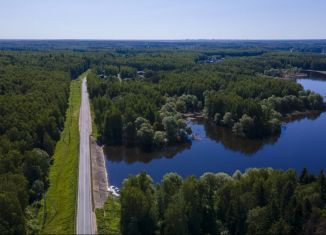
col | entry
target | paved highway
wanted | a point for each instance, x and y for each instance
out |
(85, 216)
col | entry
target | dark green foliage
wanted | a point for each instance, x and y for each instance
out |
(258, 220)
(113, 126)
(11, 215)
(138, 206)
(322, 186)
(305, 177)
(135, 101)
(127, 72)
(145, 135)
(34, 88)
(156, 83)
(175, 220)
(260, 201)
(238, 92)
(13, 200)
(254, 107)
(36, 165)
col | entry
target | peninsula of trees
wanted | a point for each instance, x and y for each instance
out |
(141, 97)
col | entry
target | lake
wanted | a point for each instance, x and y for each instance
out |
(302, 143)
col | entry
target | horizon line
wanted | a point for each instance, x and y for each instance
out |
(185, 39)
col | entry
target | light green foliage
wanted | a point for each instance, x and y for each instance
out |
(237, 129)
(160, 139)
(171, 184)
(169, 109)
(191, 102)
(181, 106)
(245, 126)
(108, 217)
(171, 127)
(127, 72)
(140, 121)
(227, 119)
(145, 135)
(33, 225)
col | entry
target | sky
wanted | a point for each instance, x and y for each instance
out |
(162, 19)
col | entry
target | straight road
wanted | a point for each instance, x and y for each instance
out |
(85, 215)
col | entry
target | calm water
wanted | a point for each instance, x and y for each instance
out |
(302, 143)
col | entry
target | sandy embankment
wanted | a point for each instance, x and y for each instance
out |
(99, 175)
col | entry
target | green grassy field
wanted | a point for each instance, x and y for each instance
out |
(108, 217)
(60, 203)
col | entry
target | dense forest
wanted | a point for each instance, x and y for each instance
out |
(141, 93)
(34, 90)
(141, 98)
(259, 201)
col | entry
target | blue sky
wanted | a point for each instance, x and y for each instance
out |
(162, 19)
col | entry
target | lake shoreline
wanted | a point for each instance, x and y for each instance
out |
(298, 115)
(293, 116)
(218, 150)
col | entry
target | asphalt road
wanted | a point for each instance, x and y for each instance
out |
(85, 215)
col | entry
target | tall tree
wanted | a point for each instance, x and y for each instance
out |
(112, 132)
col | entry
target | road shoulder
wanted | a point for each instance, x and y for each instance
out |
(99, 175)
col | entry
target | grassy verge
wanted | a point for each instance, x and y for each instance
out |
(60, 203)
(108, 217)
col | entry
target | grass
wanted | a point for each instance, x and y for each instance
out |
(60, 204)
(108, 217)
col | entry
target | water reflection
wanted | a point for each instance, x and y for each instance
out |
(235, 143)
(300, 144)
(205, 130)
(134, 154)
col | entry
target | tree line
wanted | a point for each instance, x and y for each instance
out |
(259, 201)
